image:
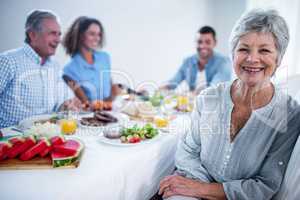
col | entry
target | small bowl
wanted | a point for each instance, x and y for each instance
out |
(112, 132)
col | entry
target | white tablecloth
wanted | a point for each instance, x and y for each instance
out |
(106, 172)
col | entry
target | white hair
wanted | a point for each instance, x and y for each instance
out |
(262, 21)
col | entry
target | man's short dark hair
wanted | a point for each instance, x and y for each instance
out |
(207, 29)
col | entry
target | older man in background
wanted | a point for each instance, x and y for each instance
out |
(30, 82)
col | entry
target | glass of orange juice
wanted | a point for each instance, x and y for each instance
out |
(68, 125)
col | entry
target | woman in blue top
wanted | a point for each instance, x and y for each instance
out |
(88, 72)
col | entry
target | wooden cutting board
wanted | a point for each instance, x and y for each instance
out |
(35, 163)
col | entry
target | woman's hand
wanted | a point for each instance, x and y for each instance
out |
(178, 185)
(86, 106)
(101, 105)
(72, 104)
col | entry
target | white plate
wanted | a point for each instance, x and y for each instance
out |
(122, 121)
(28, 122)
(117, 141)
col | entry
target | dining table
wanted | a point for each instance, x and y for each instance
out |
(107, 171)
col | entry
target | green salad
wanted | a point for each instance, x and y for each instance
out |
(137, 134)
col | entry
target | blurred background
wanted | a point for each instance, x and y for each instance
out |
(147, 40)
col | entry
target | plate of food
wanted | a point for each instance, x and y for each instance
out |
(53, 118)
(103, 119)
(130, 136)
(143, 111)
(39, 119)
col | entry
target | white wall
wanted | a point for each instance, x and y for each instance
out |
(223, 15)
(290, 10)
(146, 39)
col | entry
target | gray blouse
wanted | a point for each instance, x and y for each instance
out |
(253, 165)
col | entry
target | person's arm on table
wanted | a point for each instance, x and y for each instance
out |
(78, 91)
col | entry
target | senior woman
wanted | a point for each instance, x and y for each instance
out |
(242, 132)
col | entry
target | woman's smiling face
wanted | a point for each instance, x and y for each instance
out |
(92, 37)
(255, 58)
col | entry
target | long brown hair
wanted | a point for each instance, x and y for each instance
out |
(72, 41)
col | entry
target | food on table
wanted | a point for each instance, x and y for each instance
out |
(97, 105)
(56, 140)
(91, 121)
(12, 143)
(165, 103)
(42, 144)
(29, 142)
(100, 118)
(52, 120)
(67, 153)
(68, 126)
(101, 105)
(137, 134)
(161, 122)
(145, 109)
(112, 134)
(63, 152)
(4, 148)
(184, 104)
(69, 148)
(130, 109)
(16, 140)
(45, 152)
(142, 110)
(105, 117)
(44, 130)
